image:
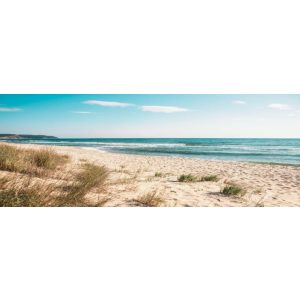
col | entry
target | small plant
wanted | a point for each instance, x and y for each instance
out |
(187, 178)
(213, 178)
(158, 174)
(260, 204)
(233, 190)
(151, 199)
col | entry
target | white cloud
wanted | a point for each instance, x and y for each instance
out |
(280, 106)
(239, 102)
(164, 109)
(107, 103)
(292, 115)
(8, 109)
(81, 112)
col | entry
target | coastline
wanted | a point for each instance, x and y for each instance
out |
(132, 175)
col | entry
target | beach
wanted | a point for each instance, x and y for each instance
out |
(132, 176)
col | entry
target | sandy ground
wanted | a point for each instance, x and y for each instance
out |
(132, 176)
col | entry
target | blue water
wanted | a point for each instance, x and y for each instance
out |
(256, 150)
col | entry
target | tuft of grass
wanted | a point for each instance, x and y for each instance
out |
(158, 174)
(213, 178)
(260, 204)
(187, 178)
(233, 190)
(46, 159)
(151, 199)
(10, 159)
(90, 177)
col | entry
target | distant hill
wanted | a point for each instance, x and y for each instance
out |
(25, 136)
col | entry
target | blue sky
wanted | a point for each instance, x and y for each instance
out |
(151, 115)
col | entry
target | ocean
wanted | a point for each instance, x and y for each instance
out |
(286, 151)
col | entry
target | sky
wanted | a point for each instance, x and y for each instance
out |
(129, 116)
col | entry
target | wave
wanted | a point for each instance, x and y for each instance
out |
(248, 149)
(204, 153)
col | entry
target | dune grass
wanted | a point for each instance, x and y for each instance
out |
(158, 174)
(187, 178)
(151, 199)
(23, 197)
(213, 178)
(233, 190)
(10, 159)
(27, 191)
(46, 158)
(26, 161)
(259, 204)
(89, 178)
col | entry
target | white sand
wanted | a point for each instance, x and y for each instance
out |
(134, 175)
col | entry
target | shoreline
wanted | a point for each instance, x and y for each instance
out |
(297, 165)
(134, 175)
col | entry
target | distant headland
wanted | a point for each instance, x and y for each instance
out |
(25, 136)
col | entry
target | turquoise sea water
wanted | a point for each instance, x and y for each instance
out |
(256, 150)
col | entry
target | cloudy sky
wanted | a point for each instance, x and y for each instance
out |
(151, 115)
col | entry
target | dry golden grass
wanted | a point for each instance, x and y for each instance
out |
(10, 159)
(24, 191)
(46, 158)
(90, 177)
(151, 199)
(18, 190)
(32, 162)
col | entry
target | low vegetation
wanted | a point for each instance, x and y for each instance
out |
(89, 178)
(233, 190)
(213, 178)
(24, 192)
(18, 191)
(260, 204)
(10, 159)
(23, 187)
(32, 162)
(188, 178)
(46, 158)
(151, 199)
(158, 174)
